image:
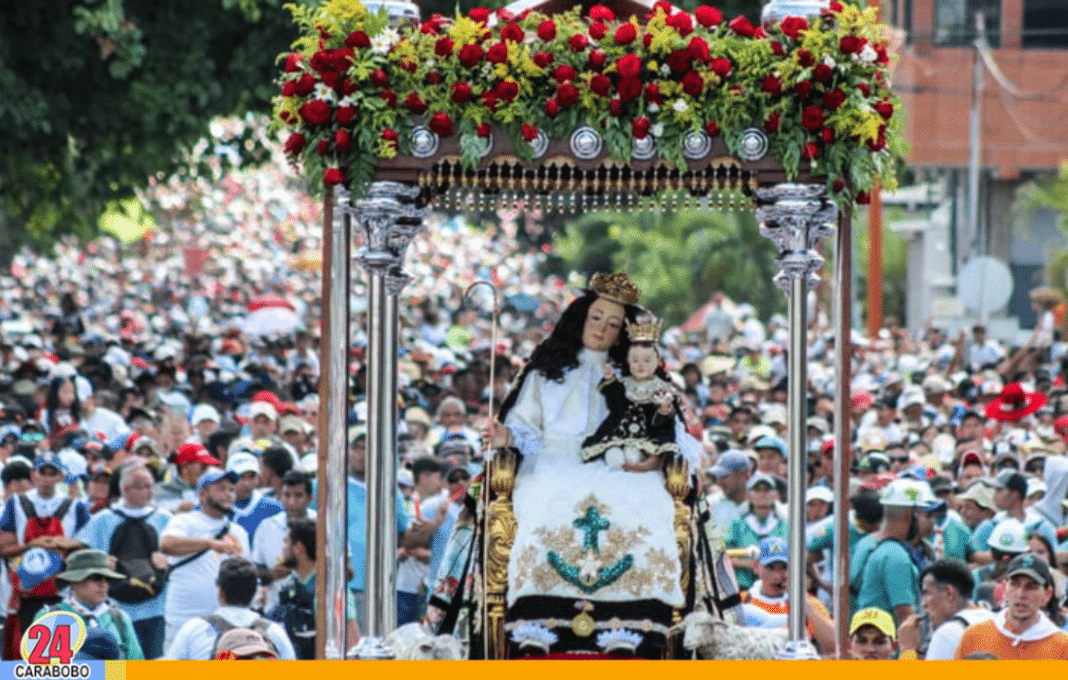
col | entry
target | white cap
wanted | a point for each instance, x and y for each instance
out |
(83, 387)
(1009, 536)
(202, 412)
(262, 408)
(1034, 485)
(819, 493)
(242, 462)
(907, 493)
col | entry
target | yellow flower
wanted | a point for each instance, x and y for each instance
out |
(345, 10)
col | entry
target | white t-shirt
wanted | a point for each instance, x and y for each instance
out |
(267, 550)
(107, 422)
(946, 638)
(191, 589)
(411, 572)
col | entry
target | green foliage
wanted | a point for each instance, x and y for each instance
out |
(99, 96)
(677, 258)
(1050, 193)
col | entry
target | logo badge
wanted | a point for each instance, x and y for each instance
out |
(53, 639)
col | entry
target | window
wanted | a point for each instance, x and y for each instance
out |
(955, 21)
(1045, 24)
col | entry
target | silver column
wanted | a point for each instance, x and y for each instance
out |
(796, 217)
(390, 219)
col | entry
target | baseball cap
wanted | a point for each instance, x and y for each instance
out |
(262, 408)
(191, 452)
(242, 462)
(818, 423)
(1035, 485)
(244, 642)
(405, 478)
(356, 433)
(730, 461)
(980, 494)
(48, 459)
(1010, 479)
(760, 478)
(214, 474)
(773, 549)
(202, 412)
(908, 493)
(873, 616)
(819, 493)
(292, 424)
(769, 442)
(1031, 566)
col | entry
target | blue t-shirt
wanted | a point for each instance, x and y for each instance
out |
(890, 579)
(97, 534)
(253, 510)
(14, 519)
(981, 535)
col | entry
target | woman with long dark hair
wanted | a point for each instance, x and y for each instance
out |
(62, 410)
(595, 564)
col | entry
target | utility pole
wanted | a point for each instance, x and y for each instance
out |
(978, 239)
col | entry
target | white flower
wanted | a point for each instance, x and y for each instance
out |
(657, 129)
(652, 108)
(830, 62)
(680, 105)
(381, 43)
(665, 70)
(324, 92)
(868, 54)
(346, 101)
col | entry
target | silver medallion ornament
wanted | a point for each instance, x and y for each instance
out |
(644, 148)
(424, 142)
(754, 144)
(586, 143)
(696, 145)
(540, 144)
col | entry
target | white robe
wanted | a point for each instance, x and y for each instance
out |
(554, 487)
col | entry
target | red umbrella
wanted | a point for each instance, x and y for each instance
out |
(696, 321)
(269, 301)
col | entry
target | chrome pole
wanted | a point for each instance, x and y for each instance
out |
(390, 219)
(843, 411)
(796, 217)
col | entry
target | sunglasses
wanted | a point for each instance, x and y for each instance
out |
(899, 459)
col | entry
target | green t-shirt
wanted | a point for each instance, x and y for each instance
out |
(956, 540)
(890, 578)
(824, 540)
(742, 535)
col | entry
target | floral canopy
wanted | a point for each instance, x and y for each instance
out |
(664, 87)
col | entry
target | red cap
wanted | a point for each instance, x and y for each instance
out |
(193, 453)
(863, 401)
(827, 447)
(1060, 426)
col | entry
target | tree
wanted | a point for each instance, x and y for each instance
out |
(98, 96)
(1050, 193)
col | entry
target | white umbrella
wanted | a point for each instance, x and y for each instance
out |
(270, 321)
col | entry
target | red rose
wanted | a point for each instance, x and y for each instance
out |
(498, 53)
(441, 124)
(304, 85)
(434, 77)
(443, 47)
(629, 88)
(345, 114)
(461, 92)
(600, 84)
(849, 44)
(776, 49)
(530, 132)
(547, 30)
(390, 97)
(512, 32)
(625, 34)
(773, 122)
(708, 16)
(615, 107)
(884, 109)
(810, 151)
(470, 55)
(864, 89)
(505, 15)
(567, 94)
(315, 112)
(552, 107)
(805, 58)
(823, 73)
(332, 79)
(827, 135)
(721, 66)
(630, 66)
(342, 141)
(803, 88)
(602, 13)
(323, 147)
(693, 84)
(564, 73)
(742, 27)
(289, 88)
(881, 55)
(542, 59)
(863, 197)
(812, 118)
(379, 78)
(681, 22)
(679, 60)
(483, 129)
(834, 99)
(293, 62)
(661, 6)
(578, 42)
(791, 27)
(880, 142)
(479, 14)
(596, 60)
(390, 135)
(771, 84)
(489, 100)
(698, 49)
(320, 60)
(647, 39)
(348, 86)
(598, 30)
(835, 7)
(640, 128)
(712, 128)
(294, 143)
(357, 39)
(507, 90)
(838, 185)
(652, 94)
(333, 177)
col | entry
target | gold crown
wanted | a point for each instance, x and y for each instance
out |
(645, 329)
(615, 287)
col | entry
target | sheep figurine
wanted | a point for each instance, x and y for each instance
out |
(712, 638)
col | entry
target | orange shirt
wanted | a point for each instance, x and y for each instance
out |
(985, 637)
(782, 606)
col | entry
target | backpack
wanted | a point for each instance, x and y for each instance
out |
(132, 544)
(295, 611)
(221, 625)
(35, 528)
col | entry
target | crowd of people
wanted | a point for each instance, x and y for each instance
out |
(159, 454)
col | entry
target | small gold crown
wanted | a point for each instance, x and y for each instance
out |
(615, 287)
(645, 329)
